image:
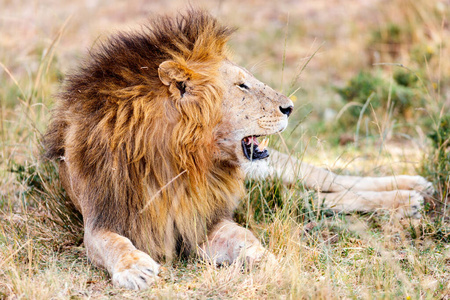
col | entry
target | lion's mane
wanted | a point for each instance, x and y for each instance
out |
(142, 162)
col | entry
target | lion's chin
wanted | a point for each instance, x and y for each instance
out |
(253, 149)
(257, 170)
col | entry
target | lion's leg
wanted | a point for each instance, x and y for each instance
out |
(404, 203)
(291, 170)
(228, 242)
(129, 267)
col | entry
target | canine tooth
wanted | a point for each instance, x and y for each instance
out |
(263, 144)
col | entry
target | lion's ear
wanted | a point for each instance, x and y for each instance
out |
(174, 75)
(170, 72)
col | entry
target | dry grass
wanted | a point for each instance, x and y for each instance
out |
(320, 255)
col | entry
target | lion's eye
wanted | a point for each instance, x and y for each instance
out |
(243, 86)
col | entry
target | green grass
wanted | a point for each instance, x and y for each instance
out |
(321, 255)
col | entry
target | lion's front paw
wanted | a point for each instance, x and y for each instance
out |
(423, 186)
(410, 206)
(416, 183)
(135, 270)
(256, 254)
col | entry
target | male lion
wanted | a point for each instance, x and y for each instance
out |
(154, 135)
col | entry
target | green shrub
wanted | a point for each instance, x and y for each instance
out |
(441, 135)
(391, 33)
(406, 79)
(404, 92)
(263, 200)
(440, 155)
(389, 40)
(268, 200)
(360, 88)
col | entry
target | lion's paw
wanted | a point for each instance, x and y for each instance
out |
(256, 254)
(423, 186)
(411, 206)
(417, 183)
(136, 270)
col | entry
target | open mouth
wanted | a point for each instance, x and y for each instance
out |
(253, 149)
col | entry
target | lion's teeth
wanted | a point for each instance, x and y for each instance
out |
(263, 144)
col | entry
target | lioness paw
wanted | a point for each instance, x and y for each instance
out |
(411, 205)
(135, 270)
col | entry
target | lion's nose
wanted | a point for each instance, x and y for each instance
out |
(286, 110)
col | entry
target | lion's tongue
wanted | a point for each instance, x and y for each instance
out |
(251, 140)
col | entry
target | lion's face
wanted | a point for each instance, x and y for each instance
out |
(251, 111)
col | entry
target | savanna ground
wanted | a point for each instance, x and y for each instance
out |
(370, 84)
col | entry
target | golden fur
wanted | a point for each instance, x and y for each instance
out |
(143, 162)
(151, 134)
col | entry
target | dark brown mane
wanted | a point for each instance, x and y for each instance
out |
(132, 59)
(139, 154)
